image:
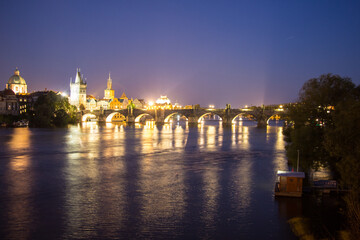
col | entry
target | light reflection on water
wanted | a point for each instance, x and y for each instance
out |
(19, 182)
(145, 181)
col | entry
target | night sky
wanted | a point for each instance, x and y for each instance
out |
(195, 52)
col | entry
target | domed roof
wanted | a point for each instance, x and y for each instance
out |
(16, 78)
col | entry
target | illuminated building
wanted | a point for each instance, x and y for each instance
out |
(8, 102)
(91, 103)
(103, 104)
(109, 92)
(115, 104)
(17, 83)
(163, 100)
(123, 96)
(139, 103)
(78, 91)
(124, 101)
(15, 100)
(161, 103)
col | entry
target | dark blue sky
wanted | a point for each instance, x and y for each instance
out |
(207, 52)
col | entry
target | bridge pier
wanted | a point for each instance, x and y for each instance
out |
(159, 116)
(226, 121)
(261, 123)
(102, 118)
(193, 120)
(130, 119)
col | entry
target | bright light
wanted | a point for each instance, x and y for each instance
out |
(211, 106)
(163, 100)
(64, 94)
(151, 103)
(246, 106)
(281, 106)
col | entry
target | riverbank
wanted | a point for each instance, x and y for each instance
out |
(315, 216)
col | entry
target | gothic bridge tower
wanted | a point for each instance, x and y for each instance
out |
(78, 90)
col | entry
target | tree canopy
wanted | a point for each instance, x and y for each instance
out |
(324, 127)
(313, 115)
(52, 110)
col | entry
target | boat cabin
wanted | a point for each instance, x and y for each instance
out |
(289, 184)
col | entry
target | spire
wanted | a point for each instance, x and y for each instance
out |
(109, 83)
(17, 72)
(123, 96)
(78, 78)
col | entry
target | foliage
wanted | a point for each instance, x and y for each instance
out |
(343, 141)
(131, 105)
(312, 116)
(52, 110)
(82, 107)
(325, 128)
(326, 90)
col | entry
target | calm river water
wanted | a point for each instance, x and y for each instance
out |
(143, 182)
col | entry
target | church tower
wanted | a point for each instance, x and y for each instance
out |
(109, 92)
(78, 90)
(17, 83)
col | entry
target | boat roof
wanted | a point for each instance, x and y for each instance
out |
(291, 174)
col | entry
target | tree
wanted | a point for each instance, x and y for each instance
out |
(312, 116)
(52, 110)
(325, 128)
(82, 107)
(343, 142)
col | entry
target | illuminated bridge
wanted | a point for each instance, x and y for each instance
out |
(161, 116)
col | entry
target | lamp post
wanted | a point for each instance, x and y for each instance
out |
(298, 156)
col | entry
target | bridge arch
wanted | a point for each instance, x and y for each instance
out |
(275, 114)
(243, 114)
(206, 114)
(167, 118)
(138, 118)
(111, 115)
(88, 116)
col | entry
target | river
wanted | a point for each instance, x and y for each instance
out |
(143, 182)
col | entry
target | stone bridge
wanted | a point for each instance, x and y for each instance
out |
(193, 116)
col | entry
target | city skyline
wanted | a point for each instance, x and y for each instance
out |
(238, 52)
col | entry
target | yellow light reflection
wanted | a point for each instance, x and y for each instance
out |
(159, 200)
(244, 172)
(211, 195)
(19, 145)
(210, 138)
(19, 185)
(280, 160)
(244, 142)
(84, 204)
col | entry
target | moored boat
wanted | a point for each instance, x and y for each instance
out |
(289, 184)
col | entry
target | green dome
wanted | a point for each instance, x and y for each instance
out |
(16, 78)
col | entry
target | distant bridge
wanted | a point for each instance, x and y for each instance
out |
(260, 114)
